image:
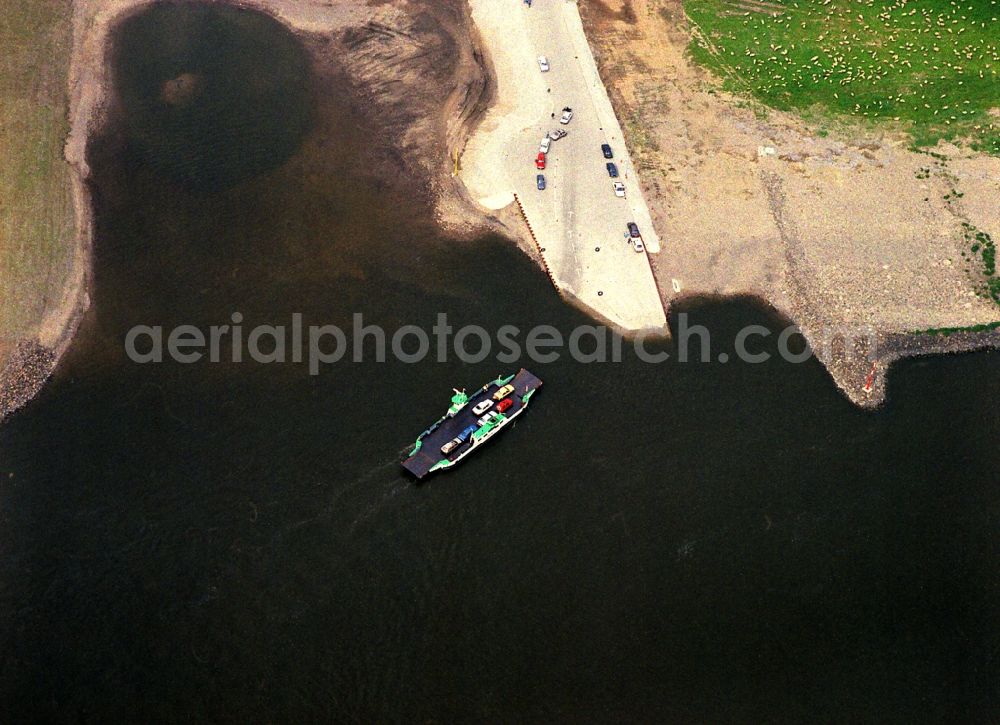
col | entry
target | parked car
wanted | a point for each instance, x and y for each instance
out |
(540, 182)
(540, 160)
(503, 393)
(606, 150)
(619, 188)
(545, 144)
(567, 115)
(612, 170)
(634, 238)
(487, 418)
(556, 134)
(504, 405)
(482, 407)
(451, 445)
(543, 63)
(464, 435)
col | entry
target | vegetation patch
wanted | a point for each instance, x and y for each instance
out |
(946, 331)
(929, 66)
(36, 209)
(981, 246)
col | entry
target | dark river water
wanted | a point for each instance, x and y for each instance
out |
(237, 542)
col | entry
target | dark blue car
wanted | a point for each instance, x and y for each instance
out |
(606, 150)
(540, 182)
(612, 170)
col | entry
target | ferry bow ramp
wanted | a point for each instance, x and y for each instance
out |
(470, 422)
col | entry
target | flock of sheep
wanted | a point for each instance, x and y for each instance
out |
(932, 62)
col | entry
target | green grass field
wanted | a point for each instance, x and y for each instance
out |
(929, 66)
(36, 211)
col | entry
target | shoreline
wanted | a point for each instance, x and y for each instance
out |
(34, 360)
(851, 231)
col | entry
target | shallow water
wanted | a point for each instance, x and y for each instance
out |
(678, 541)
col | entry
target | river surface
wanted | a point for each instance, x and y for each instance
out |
(236, 541)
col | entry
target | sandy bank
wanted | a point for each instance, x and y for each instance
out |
(398, 54)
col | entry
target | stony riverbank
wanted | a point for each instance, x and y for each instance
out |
(842, 231)
(858, 240)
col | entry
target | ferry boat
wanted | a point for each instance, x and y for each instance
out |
(471, 420)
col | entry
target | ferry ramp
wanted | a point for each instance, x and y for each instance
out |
(578, 222)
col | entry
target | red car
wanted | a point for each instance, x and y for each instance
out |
(504, 404)
(540, 160)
